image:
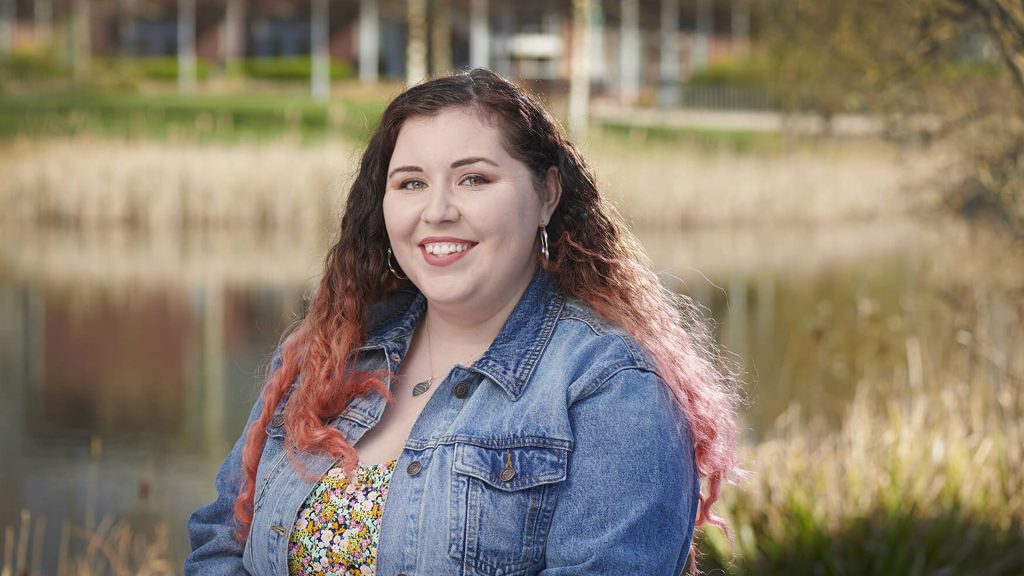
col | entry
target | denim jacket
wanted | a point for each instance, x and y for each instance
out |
(560, 451)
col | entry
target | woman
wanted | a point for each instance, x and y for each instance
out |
(490, 380)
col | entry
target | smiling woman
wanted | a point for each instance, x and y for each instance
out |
(490, 378)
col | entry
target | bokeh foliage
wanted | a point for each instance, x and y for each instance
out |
(940, 72)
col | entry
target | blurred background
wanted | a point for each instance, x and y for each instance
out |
(839, 183)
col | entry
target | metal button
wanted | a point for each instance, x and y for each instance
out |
(395, 357)
(279, 529)
(277, 421)
(509, 472)
(461, 390)
(507, 475)
(414, 468)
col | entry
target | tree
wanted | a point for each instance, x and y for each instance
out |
(937, 71)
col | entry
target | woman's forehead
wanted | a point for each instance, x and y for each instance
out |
(451, 133)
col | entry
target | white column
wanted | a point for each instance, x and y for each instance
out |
(234, 35)
(702, 39)
(441, 37)
(740, 28)
(479, 35)
(668, 92)
(629, 52)
(42, 12)
(320, 80)
(81, 49)
(127, 34)
(579, 82)
(186, 46)
(369, 41)
(7, 21)
(416, 48)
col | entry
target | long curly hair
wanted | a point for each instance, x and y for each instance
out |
(593, 257)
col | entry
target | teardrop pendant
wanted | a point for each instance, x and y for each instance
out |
(422, 387)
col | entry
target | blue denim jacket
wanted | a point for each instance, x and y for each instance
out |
(558, 452)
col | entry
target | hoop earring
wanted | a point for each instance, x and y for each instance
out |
(544, 242)
(393, 271)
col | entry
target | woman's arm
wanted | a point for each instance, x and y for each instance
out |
(211, 528)
(629, 502)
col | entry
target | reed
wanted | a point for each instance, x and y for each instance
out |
(95, 183)
(924, 476)
(113, 547)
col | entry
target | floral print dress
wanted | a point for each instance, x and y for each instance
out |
(338, 526)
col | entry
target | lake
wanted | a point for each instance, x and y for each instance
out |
(129, 361)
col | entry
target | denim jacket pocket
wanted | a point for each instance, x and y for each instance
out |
(501, 504)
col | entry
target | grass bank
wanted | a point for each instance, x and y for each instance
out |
(204, 117)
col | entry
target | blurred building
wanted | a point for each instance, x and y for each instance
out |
(639, 42)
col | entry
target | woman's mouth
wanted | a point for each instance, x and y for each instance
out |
(446, 248)
(445, 252)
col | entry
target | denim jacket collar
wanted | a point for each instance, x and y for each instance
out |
(513, 354)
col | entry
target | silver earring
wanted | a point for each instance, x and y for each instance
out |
(544, 242)
(392, 268)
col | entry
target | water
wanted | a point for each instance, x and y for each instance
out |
(128, 364)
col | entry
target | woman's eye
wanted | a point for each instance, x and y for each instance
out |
(474, 180)
(412, 185)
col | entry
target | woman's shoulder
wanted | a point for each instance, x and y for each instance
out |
(591, 350)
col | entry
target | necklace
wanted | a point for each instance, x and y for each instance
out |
(421, 387)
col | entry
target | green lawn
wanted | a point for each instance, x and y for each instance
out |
(201, 117)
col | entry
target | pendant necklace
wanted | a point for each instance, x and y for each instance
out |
(421, 387)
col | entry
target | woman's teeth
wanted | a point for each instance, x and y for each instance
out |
(446, 248)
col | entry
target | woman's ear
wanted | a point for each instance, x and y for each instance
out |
(551, 194)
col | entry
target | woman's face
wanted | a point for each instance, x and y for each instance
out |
(462, 214)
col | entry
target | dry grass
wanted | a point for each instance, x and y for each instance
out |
(803, 184)
(924, 476)
(114, 548)
(96, 183)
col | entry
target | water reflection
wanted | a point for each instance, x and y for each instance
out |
(128, 364)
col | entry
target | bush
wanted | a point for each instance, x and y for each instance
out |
(30, 65)
(750, 73)
(292, 68)
(164, 68)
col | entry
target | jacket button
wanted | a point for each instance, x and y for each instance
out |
(507, 475)
(395, 357)
(414, 468)
(277, 421)
(461, 390)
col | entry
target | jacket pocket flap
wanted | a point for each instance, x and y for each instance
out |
(512, 468)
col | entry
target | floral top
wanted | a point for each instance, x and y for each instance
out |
(338, 526)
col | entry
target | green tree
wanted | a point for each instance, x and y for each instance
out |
(938, 71)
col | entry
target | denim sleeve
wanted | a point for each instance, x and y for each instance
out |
(211, 528)
(629, 501)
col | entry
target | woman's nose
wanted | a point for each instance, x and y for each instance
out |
(440, 207)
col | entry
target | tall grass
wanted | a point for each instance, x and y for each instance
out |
(924, 476)
(115, 548)
(92, 182)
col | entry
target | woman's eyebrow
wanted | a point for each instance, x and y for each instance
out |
(473, 160)
(404, 169)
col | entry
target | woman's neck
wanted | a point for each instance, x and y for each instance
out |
(463, 335)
